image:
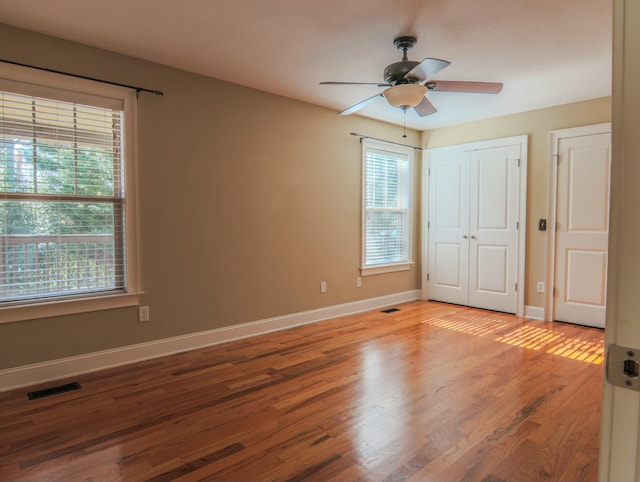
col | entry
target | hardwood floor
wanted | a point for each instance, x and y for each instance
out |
(430, 392)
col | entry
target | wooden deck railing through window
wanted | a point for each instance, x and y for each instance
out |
(35, 265)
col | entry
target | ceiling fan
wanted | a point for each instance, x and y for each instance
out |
(408, 82)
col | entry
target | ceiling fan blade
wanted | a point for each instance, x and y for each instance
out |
(379, 84)
(359, 105)
(426, 69)
(464, 86)
(425, 107)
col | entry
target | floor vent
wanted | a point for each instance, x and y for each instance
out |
(390, 310)
(53, 391)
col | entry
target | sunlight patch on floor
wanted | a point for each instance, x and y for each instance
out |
(535, 338)
(530, 337)
(478, 326)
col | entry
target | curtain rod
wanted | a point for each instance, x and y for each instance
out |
(362, 136)
(137, 89)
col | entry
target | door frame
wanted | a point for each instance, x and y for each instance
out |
(554, 141)
(523, 142)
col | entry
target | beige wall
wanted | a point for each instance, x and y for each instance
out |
(246, 202)
(537, 125)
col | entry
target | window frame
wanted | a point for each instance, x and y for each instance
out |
(407, 195)
(28, 81)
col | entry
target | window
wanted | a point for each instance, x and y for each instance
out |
(387, 207)
(65, 199)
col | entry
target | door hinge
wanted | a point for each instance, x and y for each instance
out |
(517, 225)
(518, 159)
(516, 286)
(428, 224)
(427, 276)
(428, 171)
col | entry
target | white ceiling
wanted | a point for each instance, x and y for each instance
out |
(546, 52)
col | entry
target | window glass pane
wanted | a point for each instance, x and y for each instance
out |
(384, 175)
(61, 265)
(52, 218)
(384, 237)
(57, 248)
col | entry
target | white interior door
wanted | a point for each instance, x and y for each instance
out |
(449, 227)
(582, 229)
(474, 207)
(493, 228)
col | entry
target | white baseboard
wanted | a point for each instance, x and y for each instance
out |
(534, 312)
(28, 375)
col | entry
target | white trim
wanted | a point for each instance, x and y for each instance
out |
(386, 268)
(478, 145)
(46, 309)
(522, 231)
(534, 312)
(28, 375)
(554, 140)
(523, 142)
(408, 189)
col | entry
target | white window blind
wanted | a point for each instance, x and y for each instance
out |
(387, 218)
(61, 197)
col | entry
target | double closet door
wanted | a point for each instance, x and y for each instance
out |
(473, 226)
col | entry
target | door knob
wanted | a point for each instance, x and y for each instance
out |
(465, 236)
(473, 237)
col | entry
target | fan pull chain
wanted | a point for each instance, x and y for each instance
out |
(404, 127)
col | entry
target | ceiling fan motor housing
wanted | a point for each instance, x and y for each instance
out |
(394, 74)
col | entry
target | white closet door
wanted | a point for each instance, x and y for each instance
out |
(493, 228)
(474, 208)
(449, 227)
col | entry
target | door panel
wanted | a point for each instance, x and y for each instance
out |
(583, 268)
(493, 270)
(492, 194)
(493, 263)
(448, 265)
(588, 185)
(449, 225)
(582, 229)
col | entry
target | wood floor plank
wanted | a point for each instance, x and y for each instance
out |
(430, 392)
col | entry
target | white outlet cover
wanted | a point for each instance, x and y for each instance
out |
(143, 313)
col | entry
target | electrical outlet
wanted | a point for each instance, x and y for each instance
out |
(143, 313)
(540, 286)
(359, 282)
(323, 286)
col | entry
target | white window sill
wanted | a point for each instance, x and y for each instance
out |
(46, 309)
(385, 268)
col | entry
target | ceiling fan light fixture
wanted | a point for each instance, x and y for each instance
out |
(405, 95)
